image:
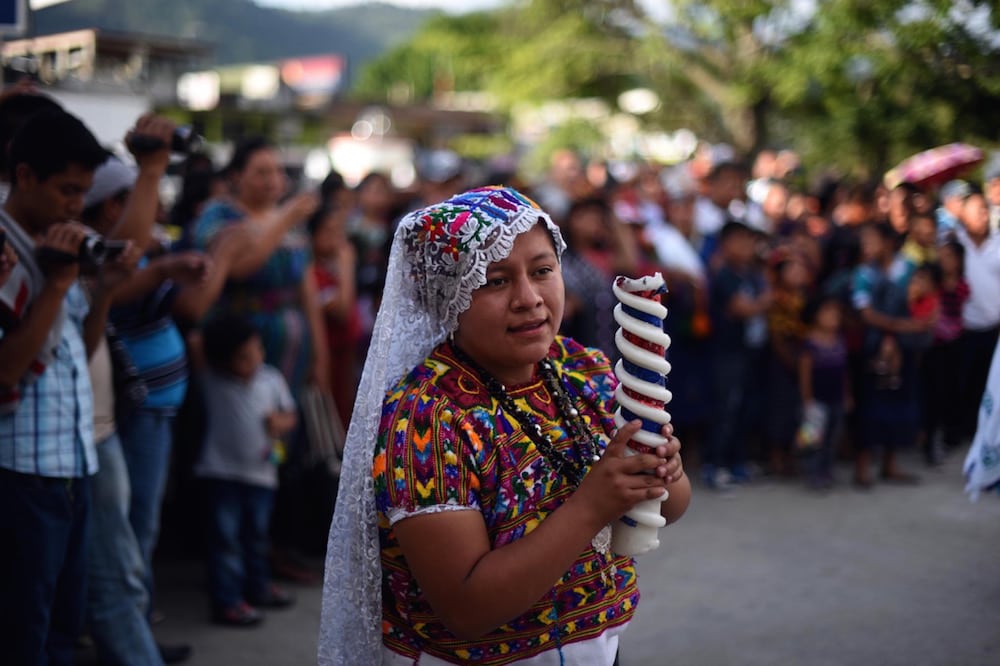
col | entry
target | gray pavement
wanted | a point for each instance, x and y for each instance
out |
(769, 574)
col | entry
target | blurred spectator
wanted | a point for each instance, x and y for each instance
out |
(566, 182)
(200, 185)
(739, 300)
(920, 246)
(951, 196)
(598, 247)
(823, 383)
(334, 267)
(270, 283)
(981, 313)
(250, 411)
(791, 281)
(991, 187)
(889, 400)
(370, 228)
(185, 285)
(942, 378)
(724, 184)
(901, 208)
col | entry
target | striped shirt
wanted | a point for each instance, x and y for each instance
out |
(147, 329)
(52, 431)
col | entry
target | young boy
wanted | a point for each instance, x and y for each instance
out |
(249, 409)
(738, 300)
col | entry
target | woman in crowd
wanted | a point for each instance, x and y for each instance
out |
(483, 468)
(270, 284)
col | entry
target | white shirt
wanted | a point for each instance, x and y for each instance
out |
(708, 218)
(982, 272)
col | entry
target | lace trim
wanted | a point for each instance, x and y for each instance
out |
(396, 515)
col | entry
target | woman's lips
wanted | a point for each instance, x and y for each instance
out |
(530, 327)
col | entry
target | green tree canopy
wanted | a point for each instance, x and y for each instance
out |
(855, 83)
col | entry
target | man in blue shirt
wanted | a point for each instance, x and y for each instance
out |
(46, 412)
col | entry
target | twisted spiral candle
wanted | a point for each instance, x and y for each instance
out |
(641, 394)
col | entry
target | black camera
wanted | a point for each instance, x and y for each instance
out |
(185, 140)
(94, 252)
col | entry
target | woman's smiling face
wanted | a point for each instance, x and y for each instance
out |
(515, 316)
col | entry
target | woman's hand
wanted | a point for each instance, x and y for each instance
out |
(299, 207)
(673, 469)
(617, 482)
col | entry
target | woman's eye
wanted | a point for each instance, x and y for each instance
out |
(496, 282)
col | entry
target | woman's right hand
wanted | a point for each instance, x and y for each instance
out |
(617, 482)
(299, 207)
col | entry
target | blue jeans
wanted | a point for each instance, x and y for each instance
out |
(43, 566)
(147, 435)
(239, 515)
(116, 598)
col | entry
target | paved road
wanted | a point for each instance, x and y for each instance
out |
(768, 575)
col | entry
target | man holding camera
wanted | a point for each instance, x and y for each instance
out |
(47, 330)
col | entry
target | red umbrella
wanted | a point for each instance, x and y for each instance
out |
(936, 166)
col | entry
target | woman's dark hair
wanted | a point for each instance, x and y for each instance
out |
(244, 150)
(196, 190)
(223, 336)
(50, 141)
(315, 220)
(931, 270)
(332, 184)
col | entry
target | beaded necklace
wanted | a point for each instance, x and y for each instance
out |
(584, 442)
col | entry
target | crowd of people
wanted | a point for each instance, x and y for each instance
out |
(843, 322)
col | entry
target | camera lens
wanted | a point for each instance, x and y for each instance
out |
(92, 250)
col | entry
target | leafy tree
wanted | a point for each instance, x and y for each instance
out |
(447, 53)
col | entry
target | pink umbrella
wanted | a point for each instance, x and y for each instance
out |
(936, 166)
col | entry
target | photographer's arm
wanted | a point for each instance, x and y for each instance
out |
(139, 215)
(20, 344)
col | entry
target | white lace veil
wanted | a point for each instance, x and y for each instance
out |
(439, 257)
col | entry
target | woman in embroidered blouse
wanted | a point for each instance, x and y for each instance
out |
(482, 466)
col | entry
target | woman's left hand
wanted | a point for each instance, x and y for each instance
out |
(672, 468)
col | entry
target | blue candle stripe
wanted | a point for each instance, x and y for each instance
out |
(644, 316)
(648, 426)
(650, 376)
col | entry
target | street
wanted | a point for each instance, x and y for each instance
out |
(769, 574)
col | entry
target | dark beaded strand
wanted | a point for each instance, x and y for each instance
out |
(583, 441)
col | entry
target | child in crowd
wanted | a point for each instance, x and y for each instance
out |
(923, 304)
(334, 266)
(249, 408)
(942, 364)
(920, 246)
(823, 386)
(791, 280)
(739, 300)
